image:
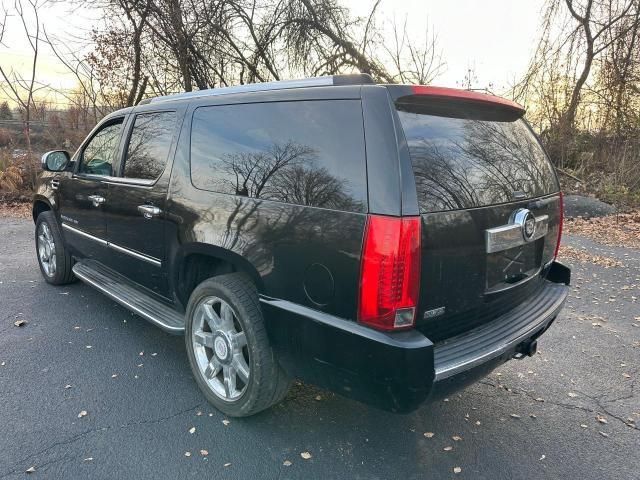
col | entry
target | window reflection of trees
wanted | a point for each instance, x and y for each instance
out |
(284, 172)
(98, 154)
(480, 163)
(149, 145)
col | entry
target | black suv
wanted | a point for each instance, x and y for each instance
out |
(386, 242)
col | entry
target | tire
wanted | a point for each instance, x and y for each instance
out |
(50, 244)
(233, 343)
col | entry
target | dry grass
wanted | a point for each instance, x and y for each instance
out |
(15, 209)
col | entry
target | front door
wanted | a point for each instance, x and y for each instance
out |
(135, 207)
(82, 195)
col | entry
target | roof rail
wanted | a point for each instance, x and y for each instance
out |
(353, 79)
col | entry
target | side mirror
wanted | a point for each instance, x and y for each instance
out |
(55, 161)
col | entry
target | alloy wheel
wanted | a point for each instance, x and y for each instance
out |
(46, 250)
(220, 348)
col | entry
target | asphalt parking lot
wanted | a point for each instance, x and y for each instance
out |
(572, 411)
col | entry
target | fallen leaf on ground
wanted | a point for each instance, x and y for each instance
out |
(582, 255)
(622, 229)
(305, 455)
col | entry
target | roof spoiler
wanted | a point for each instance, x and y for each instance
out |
(408, 93)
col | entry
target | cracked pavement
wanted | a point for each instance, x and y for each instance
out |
(573, 410)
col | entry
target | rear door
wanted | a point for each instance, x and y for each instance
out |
(135, 210)
(489, 201)
(82, 195)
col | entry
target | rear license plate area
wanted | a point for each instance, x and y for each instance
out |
(513, 266)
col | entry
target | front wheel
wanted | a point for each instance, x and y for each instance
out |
(228, 348)
(54, 259)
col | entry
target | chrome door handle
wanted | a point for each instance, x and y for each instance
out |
(149, 211)
(97, 200)
(55, 184)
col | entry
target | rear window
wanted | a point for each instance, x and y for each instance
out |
(305, 153)
(464, 159)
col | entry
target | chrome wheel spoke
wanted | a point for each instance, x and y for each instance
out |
(226, 315)
(211, 317)
(240, 340)
(204, 338)
(240, 366)
(212, 369)
(229, 381)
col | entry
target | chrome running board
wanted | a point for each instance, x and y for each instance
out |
(129, 295)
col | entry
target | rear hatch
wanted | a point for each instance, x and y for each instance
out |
(489, 201)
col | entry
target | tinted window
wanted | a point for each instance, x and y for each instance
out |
(307, 153)
(149, 145)
(469, 161)
(100, 152)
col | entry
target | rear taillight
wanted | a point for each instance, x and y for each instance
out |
(390, 272)
(560, 222)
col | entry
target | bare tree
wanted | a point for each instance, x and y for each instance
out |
(413, 63)
(22, 88)
(18, 87)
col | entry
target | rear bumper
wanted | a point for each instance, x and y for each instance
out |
(399, 371)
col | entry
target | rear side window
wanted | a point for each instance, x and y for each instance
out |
(149, 145)
(462, 159)
(306, 152)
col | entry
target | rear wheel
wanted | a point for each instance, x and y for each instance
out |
(229, 352)
(54, 259)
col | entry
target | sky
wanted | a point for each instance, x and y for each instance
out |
(493, 38)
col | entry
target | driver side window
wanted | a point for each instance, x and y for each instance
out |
(99, 154)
